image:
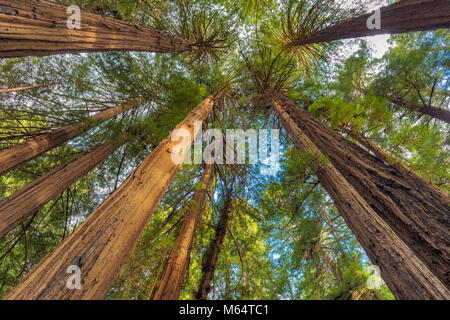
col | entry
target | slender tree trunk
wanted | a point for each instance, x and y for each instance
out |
(434, 112)
(169, 286)
(40, 28)
(212, 253)
(25, 88)
(105, 240)
(17, 155)
(399, 17)
(417, 210)
(406, 275)
(26, 201)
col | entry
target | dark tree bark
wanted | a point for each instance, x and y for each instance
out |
(434, 112)
(17, 155)
(404, 273)
(399, 17)
(171, 282)
(25, 88)
(212, 253)
(26, 201)
(417, 210)
(106, 238)
(39, 28)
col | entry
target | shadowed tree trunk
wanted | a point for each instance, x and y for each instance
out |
(417, 210)
(402, 16)
(26, 201)
(405, 275)
(25, 88)
(17, 155)
(434, 112)
(40, 28)
(169, 286)
(106, 238)
(212, 253)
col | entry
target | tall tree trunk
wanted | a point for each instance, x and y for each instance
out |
(417, 210)
(399, 17)
(406, 275)
(26, 201)
(25, 88)
(106, 238)
(40, 28)
(17, 155)
(169, 286)
(212, 253)
(434, 112)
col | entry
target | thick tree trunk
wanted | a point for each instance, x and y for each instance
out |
(171, 282)
(399, 17)
(417, 210)
(434, 112)
(17, 155)
(406, 275)
(212, 253)
(26, 201)
(25, 88)
(105, 240)
(39, 28)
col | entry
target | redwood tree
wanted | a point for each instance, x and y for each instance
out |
(415, 209)
(399, 17)
(170, 284)
(406, 275)
(26, 201)
(40, 28)
(212, 253)
(17, 155)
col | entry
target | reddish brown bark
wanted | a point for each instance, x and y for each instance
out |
(212, 253)
(26, 201)
(17, 155)
(434, 112)
(25, 88)
(171, 282)
(417, 210)
(405, 275)
(399, 17)
(39, 28)
(105, 240)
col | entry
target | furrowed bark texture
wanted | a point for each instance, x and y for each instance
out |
(106, 238)
(434, 112)
(212, 253)
(171, 282)
(25, 88)
(17, 155)
(400, 17)
(26, 201)
(405, 275)
(40, 28)
(417, 210)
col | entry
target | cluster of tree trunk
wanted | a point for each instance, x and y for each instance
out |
(171, 282)
(404, 219)
(399, 17)
(400, 219)
(19, 154)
